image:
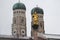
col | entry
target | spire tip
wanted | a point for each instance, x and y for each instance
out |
(36, 5)
(19, 1)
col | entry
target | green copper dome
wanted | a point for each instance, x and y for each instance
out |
(19, 6)
(37, 10)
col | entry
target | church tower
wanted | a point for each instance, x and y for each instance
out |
(19, 20)
(40, 14)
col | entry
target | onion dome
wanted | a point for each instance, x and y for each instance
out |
(37, 10)
(19, 6)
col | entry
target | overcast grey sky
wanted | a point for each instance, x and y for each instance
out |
(51, 10)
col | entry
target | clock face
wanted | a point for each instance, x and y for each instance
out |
(14, 32)
(22, 31)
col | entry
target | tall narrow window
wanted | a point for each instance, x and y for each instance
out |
(22, 20)
(41, 25)
(14, 20)
(19, 11)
